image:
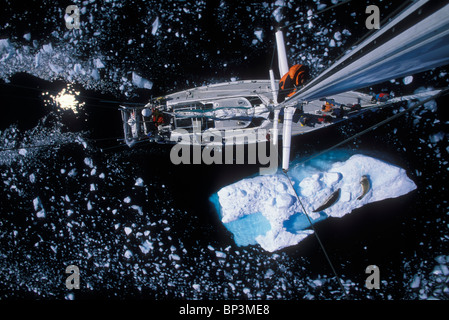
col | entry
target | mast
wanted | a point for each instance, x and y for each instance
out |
(288, 111)
(282, 54)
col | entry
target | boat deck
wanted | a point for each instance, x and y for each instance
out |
(314, 114)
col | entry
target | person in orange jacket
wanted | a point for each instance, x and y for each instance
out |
(296, 76)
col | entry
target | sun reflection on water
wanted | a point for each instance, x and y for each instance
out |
(66, 99)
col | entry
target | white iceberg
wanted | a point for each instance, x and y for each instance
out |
(265, 210)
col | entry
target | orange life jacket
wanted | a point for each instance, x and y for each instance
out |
(295, 77)
(298, 74)
(328, 107)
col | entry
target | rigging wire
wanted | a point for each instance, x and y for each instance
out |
(334, 271)
(318, 12)
(320, 243)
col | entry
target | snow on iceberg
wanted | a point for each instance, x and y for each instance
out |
(264, 210)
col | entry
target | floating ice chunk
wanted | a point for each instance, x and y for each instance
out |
(95, 75)
(277, 14)
(140, 82)
(98, 63)
(139, 182)
(259, 35)
(128, 230)
(37, 59)
(128, 254)
(146, 246)
(332, 43)
(77, 68)
(220, 254)
(321, 6)
(56, 69)
(5, 45)
(88, 162)
(38, 207)
(407, 80)
(69, 296)
(37, 203)
(127, 200)
(155, 26)
(337, 35)
(269, 274)
(197, 287)
(27, 36)
(47, 48)
(175, 257)
(435, 138)
(138, 209)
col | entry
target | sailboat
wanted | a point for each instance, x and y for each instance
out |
(415, 40)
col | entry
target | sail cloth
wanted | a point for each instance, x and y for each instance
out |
(416, 40)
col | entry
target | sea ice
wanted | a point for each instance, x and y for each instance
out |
(264, 210)
(407, 80)
(155, 26)
(140, 82)
(38, 207)
(259, 35)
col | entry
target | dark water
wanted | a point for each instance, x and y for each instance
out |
(402, 236)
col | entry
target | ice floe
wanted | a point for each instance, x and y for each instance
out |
(280, 220)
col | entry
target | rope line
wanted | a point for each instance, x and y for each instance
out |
(334, 271)
(444, 91)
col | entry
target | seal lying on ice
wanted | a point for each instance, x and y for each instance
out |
(329, 201)
(365, 186)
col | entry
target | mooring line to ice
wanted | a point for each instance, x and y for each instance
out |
(334, 271)
(346, 295)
